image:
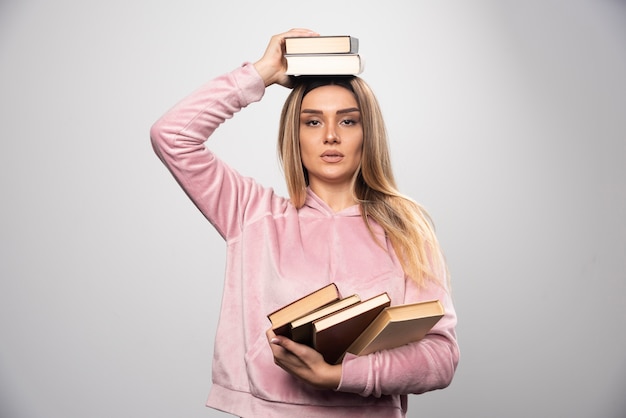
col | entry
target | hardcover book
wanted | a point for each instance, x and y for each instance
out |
(332, 335)
(301, 328)
(324, 64)
(338, 44)
(281, 318)
(397, 326)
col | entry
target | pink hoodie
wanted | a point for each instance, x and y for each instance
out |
(277, 253)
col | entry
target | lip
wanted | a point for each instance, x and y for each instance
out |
(332, 156)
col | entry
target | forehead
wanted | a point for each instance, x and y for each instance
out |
(329, 97)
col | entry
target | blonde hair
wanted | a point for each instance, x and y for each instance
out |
(405, 222)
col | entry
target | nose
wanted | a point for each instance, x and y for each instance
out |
(331, 136)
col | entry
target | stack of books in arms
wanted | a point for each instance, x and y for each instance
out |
(323, 55)
(335, 326)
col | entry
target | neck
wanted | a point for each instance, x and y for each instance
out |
(337, 198)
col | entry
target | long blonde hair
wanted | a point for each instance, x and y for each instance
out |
(405, 222)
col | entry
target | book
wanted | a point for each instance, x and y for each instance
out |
(324, 64)
(301, 328)
(333, 334)
(281, 318)
(340, 44)
(397, 326)
(335, 326)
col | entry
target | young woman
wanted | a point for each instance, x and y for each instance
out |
(344, 222)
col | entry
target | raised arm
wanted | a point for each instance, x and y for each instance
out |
(178, 137)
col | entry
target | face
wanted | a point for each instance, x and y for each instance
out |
(331, 136)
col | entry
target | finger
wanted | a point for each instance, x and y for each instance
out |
(302, 32)
(294, 33)
(275, 341)
(270, 334)
(283, 345)
(278, 351)
(279, 341)
(302, 352)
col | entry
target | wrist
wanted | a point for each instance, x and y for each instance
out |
(266, 72)
(332, 377)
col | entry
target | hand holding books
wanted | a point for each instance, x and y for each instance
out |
(272, 65)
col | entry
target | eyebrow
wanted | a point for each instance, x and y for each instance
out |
(339, 112)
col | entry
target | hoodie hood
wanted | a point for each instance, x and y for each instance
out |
(314, 203)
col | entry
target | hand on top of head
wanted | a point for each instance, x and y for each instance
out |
(272, 65)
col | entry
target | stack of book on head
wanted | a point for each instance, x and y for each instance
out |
(323, 55)
(335, 326)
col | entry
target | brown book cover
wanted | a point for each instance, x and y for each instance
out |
(333, 334)
(281, 318)
(397, 326)
(337, 44)
(302, 328)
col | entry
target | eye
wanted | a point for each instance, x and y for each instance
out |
(349, 122)
(312, 122)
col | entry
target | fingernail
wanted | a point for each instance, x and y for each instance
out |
(274, 340)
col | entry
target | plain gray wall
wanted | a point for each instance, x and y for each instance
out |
(507, 121)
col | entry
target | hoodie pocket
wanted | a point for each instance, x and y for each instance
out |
(268, 381)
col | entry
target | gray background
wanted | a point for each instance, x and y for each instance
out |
(506, 120)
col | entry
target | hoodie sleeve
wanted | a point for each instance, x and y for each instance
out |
(413, 368)
(178, 138)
